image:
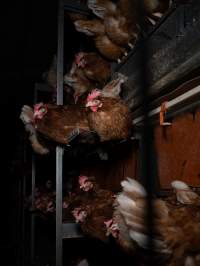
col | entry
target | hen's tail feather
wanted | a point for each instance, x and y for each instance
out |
(143, 241)
(184, 193)
(133, 187)
(133, 206)
(129, 207)
(139, 238)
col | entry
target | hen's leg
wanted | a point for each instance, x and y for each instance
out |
(27, 118)
(37, 147)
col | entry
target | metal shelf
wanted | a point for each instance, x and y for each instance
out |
(71, 230)
(63, 230)
(76, 6)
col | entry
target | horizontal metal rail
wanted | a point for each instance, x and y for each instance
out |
(176, 101)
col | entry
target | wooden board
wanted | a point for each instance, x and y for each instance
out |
(178, 150)
(178, 156)
(110, 173)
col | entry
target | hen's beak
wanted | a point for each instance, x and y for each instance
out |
(36, 114)
(68, 80)
(89, 104)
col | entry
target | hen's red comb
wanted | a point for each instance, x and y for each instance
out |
(93, 95)
(79, 58)
(40, 109)
(82, 179)
(108, 223)
(37, 106)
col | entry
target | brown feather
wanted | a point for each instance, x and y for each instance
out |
(59, 122)
(96, 68)
(96, 28)
(111, 121)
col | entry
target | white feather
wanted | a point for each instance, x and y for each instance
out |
(135, 226)
(189, 261)
(125, 202)
(83, 263)
(179, 185)
(184, 193)
(139, 238)
(131, 185)
(142, 240)
(26, 114)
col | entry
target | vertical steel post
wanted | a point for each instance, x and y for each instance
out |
(59, 237)
(33, 183)
(33, 215)
(60, 53)
(23, 195)
(23, 220)
(20, 222)
(59, 150)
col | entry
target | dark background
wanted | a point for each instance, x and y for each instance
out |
(28, 31)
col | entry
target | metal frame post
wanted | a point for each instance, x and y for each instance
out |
(32, 254)
(59, 233)
(23, 191)
(59, 150)
(33, 183)
(60, 53)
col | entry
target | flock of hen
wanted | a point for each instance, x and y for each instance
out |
(116, 25)
(123, 217)
(98, 110)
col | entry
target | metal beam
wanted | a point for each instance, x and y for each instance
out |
(76, 6)
(173, 53)
(176, 101)
(59, 150)
(71, 230)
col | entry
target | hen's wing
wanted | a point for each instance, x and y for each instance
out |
(102, 8)
(60, 123)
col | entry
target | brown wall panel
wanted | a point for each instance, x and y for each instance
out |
(110, 173)
(178, 150)
(178, 155)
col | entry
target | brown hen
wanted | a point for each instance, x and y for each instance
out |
(177, 226)
(77, 80)
(120, 28)
(96, 29)
(94, 67)
(107, 117)
(93, 206)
